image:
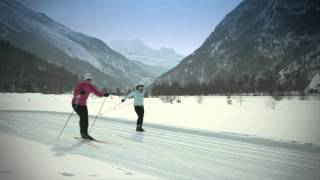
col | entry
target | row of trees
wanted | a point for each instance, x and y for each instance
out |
(246, 84)
(21, 71)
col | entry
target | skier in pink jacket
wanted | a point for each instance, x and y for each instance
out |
(79, 102)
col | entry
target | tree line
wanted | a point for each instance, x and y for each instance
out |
(246, 84)
(21, 71)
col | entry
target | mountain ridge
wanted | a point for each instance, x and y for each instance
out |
(79, 53)
(137, 50)
(264, 40)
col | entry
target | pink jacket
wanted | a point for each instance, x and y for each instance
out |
(87, 88)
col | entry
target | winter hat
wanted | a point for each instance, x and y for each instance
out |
(87, 76)
(139, 85)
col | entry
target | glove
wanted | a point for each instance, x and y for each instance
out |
(106, 94)
(82, 92)
(122, 100)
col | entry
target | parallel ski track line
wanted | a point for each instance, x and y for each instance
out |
(201, 139)
(210, 141)
(226, 153)
(199, 147)
(224, 144)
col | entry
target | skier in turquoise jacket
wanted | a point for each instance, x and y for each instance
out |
(138, 96)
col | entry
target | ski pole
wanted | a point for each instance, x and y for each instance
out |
(73, 109)
(112, 108)
(97, 114)
(115, 108)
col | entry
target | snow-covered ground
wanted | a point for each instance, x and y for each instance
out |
(29, 160)
(290, 119)
(187, 140)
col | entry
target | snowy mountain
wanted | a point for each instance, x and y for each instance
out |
(314, 85)
(265, 39)
(136, 50)
(77, 52)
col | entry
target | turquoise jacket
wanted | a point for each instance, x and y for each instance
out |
(138, 97)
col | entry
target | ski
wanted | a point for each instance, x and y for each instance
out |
(92, 140)
(86, 141)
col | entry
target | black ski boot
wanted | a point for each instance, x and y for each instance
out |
(140, 129)
(87, 136)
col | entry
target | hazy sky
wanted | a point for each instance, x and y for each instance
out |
(179, 24)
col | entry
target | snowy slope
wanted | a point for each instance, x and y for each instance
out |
(159, 152)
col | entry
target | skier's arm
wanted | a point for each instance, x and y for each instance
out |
(97, 92)
(130, 95)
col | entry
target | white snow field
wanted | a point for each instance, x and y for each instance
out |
(187, 140)
(28, 160)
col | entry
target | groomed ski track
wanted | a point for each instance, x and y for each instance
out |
(167, 152)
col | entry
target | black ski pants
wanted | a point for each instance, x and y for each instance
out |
(82, 111)
(140, 112)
